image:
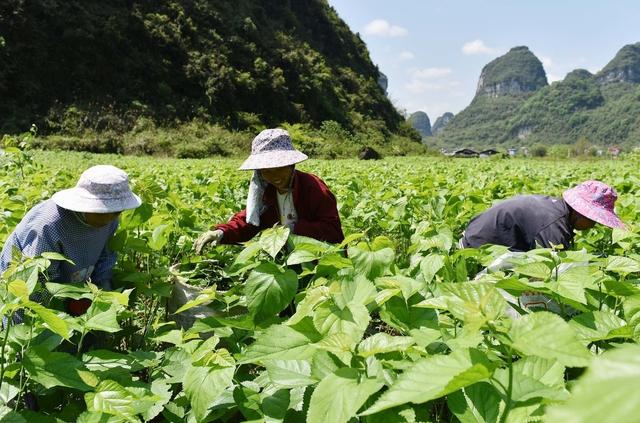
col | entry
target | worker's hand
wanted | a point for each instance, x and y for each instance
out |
(209, 237)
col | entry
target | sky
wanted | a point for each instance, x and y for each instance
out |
(433, 51)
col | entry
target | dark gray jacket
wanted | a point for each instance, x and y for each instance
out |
(522, 223)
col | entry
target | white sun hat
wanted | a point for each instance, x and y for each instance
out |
(100, 189)
(272, 148)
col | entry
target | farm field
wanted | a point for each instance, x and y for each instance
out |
(389, 326)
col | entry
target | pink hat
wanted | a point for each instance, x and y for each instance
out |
(594, 200)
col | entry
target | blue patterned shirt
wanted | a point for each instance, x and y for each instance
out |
(50, 228)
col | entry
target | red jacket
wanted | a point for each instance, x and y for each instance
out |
(315, 206)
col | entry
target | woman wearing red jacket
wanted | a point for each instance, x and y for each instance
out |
(279, 194)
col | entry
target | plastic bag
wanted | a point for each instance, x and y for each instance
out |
(181, 294)
(530, 301)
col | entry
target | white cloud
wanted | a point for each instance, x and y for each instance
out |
(406, 55)
(382, 28)
(418, 86)
(430, 73)
(477, 47)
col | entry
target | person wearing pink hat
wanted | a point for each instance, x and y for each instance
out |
(527, 222)
(279, 194)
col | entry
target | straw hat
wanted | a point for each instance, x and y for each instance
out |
(594, 200)
(272, 148)
(100, 189)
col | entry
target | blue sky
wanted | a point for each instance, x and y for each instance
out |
(433, 51)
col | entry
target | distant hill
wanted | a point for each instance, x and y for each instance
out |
(514, 106)
(441, 123)
(421, 123)
(102, 64)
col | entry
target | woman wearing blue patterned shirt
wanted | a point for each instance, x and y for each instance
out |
(77, 223)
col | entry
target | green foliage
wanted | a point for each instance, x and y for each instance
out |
(387, 326)
(242, 65)
(602, 108)
(519, 65)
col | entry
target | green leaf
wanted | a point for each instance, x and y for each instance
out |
(52, 369)
(282, 342)
(203, 385)
(622, 265)
(270, 290)
(159, 237)
(478, 403)
(338, 396)
(306, 252)
(7, 392)
(434, 377)
(600, 325)
(273, 239)
(383, 343)
(56, 256)
(572, 282)
(405, 315)
(205, 297)
(546, 335)
(19, 289)
(275, 406)
(534, 377)
(352, 320)
(102, 317)
(163, 392)
(475, 303)
(407, 286)
(312, 298)
(67, 290)
(430, 265)
(607, 391)
(372, 260)
(112, 398)
(95, 417)
(7, 415)
(50, 319)
(537, 270)
(289, 373)
(359, 290)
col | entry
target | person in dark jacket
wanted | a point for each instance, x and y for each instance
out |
(526, 222)
(279, 194)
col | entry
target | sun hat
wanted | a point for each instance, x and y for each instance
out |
(272, 148)
(100, 189)
(594, 200)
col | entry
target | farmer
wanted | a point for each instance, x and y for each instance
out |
(77, 223)
(530, 221)
(526, 222)
(279, 194)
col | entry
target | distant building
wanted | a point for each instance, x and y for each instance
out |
(488, 153)
(465, 152)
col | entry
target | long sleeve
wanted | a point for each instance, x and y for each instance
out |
(319, 218)
(237, 229)
(103, 271)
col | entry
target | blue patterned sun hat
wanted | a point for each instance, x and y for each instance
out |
(272, 148)
(100, 189)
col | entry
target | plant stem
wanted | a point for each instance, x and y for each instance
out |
(4, 346)
(507, 407)
(79, 350)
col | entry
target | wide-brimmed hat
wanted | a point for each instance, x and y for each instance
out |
(272, 148)
(100, 189)
(594, 200)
